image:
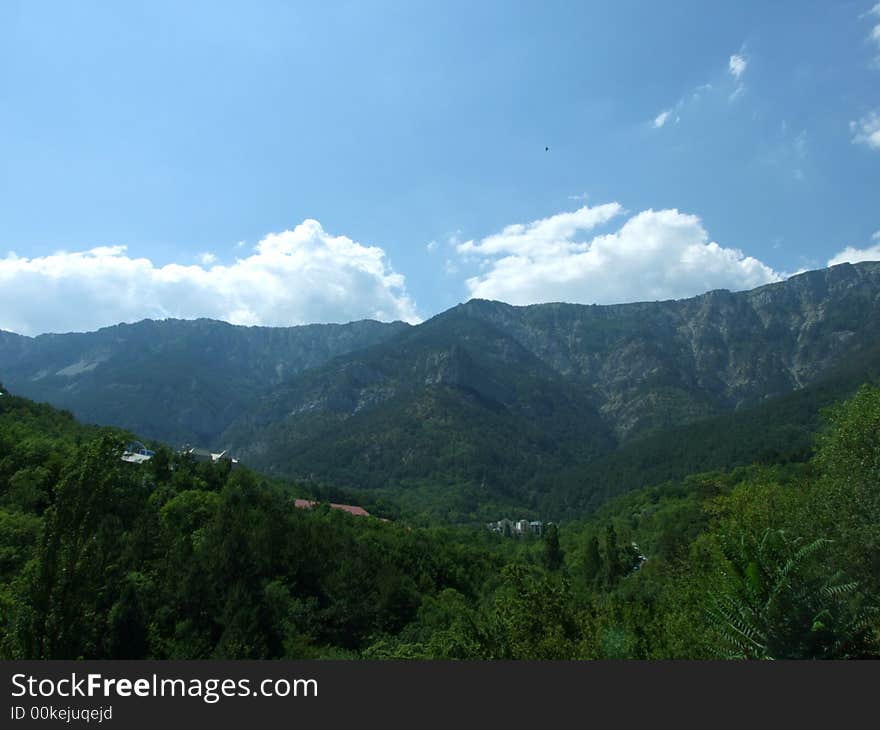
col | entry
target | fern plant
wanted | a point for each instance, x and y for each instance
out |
(774, 601)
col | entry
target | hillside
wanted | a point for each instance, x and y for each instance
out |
(173, 380)
(779, 430)
(173, 559)
(489, 402)
(447, 407)
(655, 364)
(551, 408)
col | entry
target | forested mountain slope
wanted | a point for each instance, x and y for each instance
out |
(550, 407)
(174, 380)
(502, 403)
(173, 559)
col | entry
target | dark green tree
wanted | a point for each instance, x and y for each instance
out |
(846, 499)
(592, 562)
(613, 564)
(553, 555)
(160, 464)
(79, 570)
(533, 618)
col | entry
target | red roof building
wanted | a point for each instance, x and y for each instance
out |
(350, 508)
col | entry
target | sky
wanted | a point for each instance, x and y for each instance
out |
(281, 163)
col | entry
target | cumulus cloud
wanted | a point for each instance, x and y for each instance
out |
(867, 130)
(548, 234)
(662, 254)
(207, 258)
(293, 277)
(854, 255)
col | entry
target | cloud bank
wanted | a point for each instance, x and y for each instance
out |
(663, 254)
(294, 277)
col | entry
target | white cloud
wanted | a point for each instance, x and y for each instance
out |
(853, 255)
(875, 31)
(431, 245)
(874, 35)
(661, 119)
(294, 277)
(454, 238)
(700, 90)
(654, 255)
(736, 68)
(207, 258)
(737, 65)
(547, 233)
(867, 130)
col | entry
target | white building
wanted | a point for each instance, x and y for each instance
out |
(137, 453)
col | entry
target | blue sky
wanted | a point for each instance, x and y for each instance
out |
(410, 137)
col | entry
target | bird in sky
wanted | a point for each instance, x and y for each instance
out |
(546, 149)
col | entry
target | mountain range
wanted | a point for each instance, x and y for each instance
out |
(486, 404)
(173, 380)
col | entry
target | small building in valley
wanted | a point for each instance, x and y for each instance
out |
(203, 455)
(350, 508)
(508, 527)
(137, 453)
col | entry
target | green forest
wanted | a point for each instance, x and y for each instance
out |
(101, 558)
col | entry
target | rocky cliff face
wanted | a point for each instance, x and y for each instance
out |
(654, 364)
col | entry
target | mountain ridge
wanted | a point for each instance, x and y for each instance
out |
(201, 370)
(486, 399)
(629, 370)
